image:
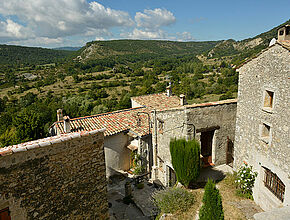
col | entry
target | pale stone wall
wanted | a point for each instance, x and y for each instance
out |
(61, 177)
(269, 71)
(187, 122)
(135, 104)
(116, 153)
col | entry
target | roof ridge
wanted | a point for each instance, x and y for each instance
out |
(149, 95)
(105, 113)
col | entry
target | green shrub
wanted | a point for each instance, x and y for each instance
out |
(245, 180)
(185, 157)
(172, 200)
(140, 185)
(212, 208)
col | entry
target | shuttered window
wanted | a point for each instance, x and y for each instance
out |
(274, 184)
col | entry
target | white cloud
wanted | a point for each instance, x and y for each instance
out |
(10, 30)
(144, 34)
(184, 36)
(60, 18)
(38, 42)
(154, 19)
(150, 23)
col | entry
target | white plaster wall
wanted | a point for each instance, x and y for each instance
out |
(117, 155)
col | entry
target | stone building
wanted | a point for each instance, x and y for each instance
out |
(212, 124)
(262, 125)
(126, 131)
(61, 177)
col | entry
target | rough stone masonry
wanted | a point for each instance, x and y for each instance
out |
(61, 177)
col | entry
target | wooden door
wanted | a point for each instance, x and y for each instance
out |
(206, 146)
(230, 152)
(5, 214)
(172, 177)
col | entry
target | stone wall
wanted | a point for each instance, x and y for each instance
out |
(188, 122)
(268, 72)
(61, 177)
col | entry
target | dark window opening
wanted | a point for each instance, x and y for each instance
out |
(266, 131)
(5, 214)
(274, 184)
(160, 127)
(287, 30)
(281, 32)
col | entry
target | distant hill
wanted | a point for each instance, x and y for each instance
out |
(143, 49)
(10, 54)
(123, 51)
(67, 48)
(245, 48)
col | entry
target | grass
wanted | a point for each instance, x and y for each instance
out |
(228, 192)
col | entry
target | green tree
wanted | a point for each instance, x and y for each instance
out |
(212, 208)
(185, 157)
(27, 125)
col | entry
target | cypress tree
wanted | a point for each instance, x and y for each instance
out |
(212, 208)
(185, 160)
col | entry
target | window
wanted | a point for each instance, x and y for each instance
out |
(160, 126)
(268, 99)
(281, 32)
(266, 133)
(5, 214)
(274, 184)
(287, 30)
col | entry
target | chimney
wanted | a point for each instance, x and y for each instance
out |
(59, 115)
(182, 99)
(284, 33)
(168, 90)
(66, 124)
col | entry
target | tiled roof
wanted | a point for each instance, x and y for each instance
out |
(45, 142)
(114, 122)
(157, 101)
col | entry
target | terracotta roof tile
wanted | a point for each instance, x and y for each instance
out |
(157, 101)
(114, 122)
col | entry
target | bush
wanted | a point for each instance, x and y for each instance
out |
(140, 185)
(245, 180)
(212, 208)
(185, 157)
(172, 200)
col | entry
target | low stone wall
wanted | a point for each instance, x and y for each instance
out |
(61, 177)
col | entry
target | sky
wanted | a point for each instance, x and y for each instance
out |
(58, 23)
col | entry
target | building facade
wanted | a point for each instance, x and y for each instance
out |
(212, 124)
(262, 124)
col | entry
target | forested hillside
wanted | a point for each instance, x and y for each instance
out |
(10, 54)
(240, 50)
